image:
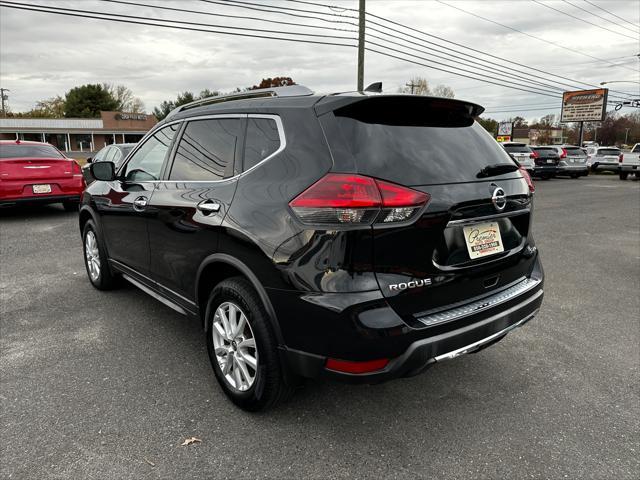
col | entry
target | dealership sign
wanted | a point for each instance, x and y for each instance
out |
(584, 105)
(505, 128)
(141, 117)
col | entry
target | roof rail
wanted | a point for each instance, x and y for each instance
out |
(288, 91)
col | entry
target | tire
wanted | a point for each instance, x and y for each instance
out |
(105, 279)
(70, 206)
(594, 167)
(624, 175)
(236, 297)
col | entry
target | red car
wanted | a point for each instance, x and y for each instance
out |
(36, 172)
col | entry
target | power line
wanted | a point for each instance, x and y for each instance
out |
(19, 6)
(524, 33)
(612, 14)
(600, 17)
(242, 17)
(278, 10)
(582, 19)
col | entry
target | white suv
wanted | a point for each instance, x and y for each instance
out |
(522, 153)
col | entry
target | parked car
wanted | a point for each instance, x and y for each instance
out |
(630, 163)
(573, 161)
(348, 236)
(115, 153)
(522, 153)
(604, 158)
(546, 160)
(36, 172)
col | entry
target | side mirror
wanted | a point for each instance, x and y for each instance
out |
(104, 171)
(89, 160)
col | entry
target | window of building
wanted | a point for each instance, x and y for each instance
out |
(206, 150)
(262, 141)
(146, 163)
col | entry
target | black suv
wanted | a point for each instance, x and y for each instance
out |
(353, 236)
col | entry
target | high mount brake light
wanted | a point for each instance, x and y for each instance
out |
(350, 199)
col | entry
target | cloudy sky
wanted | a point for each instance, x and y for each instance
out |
(42, 55)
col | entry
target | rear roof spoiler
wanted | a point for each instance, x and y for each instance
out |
(334, 102)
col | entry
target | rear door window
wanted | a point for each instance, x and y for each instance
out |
(262, 141)
(206, 150)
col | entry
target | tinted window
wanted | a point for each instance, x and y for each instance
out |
(111, 155)
(206, 150)
(101, 154)
(28, 151)
(262, 140)
(608, 151)
(574, 151)
(636, 149)
(420, 155)
(521, 148)
(146, 163)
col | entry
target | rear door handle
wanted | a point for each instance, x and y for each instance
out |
(140, 203)
(208, 206)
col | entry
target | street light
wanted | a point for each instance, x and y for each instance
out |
(619, 81)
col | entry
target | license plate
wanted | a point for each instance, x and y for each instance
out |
(549, 161)
(483, 239)
(42, 188)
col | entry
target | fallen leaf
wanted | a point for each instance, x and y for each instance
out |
(189, 441)
(149, 462)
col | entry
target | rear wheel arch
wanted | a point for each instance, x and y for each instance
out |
(219, 267)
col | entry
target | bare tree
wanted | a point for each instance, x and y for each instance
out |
(443, 91)
(420, 86)
(126, 100)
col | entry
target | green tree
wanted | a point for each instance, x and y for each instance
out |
(87, 101)
(167, 106)
(489, 124)
(273, 82)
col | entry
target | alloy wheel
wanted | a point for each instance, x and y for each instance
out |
(235, 346)
(92, 255)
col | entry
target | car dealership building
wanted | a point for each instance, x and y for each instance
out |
(79, 134)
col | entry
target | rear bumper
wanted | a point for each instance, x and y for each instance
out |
(629, 168)
(605, 167)
(410, 350)
(41, 199)
(545, 170)
(573, 170)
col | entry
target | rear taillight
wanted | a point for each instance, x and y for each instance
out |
(535, 154)
(621, 158)
(527, 177)
(75, 168)
(564, 153)
(350, 199)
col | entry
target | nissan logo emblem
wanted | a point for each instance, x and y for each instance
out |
(499, 199)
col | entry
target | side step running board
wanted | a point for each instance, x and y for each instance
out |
(155, 295)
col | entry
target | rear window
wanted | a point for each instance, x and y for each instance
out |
(545, 149)
(522, 148)
(28, 151)
(608, 151)
(574, 151)
(414, 144)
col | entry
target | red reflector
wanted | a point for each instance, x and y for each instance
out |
(338, 190)
(398, 196)
(356, 367)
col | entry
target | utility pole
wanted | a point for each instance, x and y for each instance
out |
(361, 22)
(626, 135)
(4, 97)
(412, 86)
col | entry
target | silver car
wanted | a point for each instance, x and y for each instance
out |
(522, 153)
(573, 161)
(604, 158)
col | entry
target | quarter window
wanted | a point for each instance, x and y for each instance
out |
(206, 150)
(146, 163)
(262, 140)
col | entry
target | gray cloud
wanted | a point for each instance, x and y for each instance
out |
(43, 55)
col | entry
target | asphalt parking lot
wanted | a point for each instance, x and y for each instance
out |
(108, 385)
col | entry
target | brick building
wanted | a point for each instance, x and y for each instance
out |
(79, 134)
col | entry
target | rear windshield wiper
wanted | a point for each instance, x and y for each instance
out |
(497, 169)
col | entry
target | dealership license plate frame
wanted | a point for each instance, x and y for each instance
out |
(483, 239)
(41, 188)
